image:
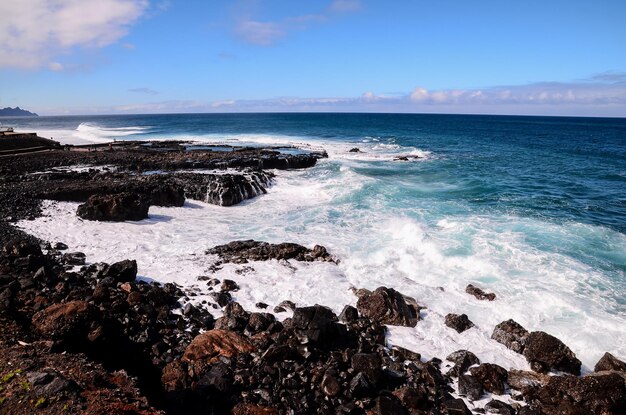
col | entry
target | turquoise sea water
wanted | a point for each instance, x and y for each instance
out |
(534, 204)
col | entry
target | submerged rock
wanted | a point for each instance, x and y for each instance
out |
(243, 251)
(458, 322)
(479, 293)
(388, 306)
(114, 208)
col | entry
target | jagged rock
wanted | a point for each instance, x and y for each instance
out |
(209, 346)
(511, 334)
(492, 377)
(241, 252)
(388, 306)
(479, 293)
(225, 189)
(355, 150)
(71, 320)
(218, 378)
(174, 376)
(599, 393)
(114, 208)
(122, 271)
(222, 298)
(526, 381)
(259, 322)
(319, 325)
(609, 362)
(460, 323)
(498, 407)
(470, 386)
(462, 360)
(545, 352)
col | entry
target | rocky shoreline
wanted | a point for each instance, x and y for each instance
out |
(91, 338)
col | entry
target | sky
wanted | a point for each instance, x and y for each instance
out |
(437, 56)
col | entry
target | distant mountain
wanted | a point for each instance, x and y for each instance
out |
(16, 112)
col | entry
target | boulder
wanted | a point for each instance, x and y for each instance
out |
(115, 208)
(349, 314)
(388, 306)
(458, 322)
(479, 293)
(122, 271)
(240, 252)
(599, 393)
(609, 362)
(511, 334)
(208, 347)
(545, 352)
(462, 360)
(492, 377)
(498, 407)
(20, 247)
(526, 381)
(71, 320)
(470, 387)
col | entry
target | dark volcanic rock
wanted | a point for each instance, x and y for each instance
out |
(479, 293)
(545, 352)
(123, 271)
(455, 407)
(470, 386)
(462, 360)
(243, 251)
(511, 334)
(388, 306)
(492, 377)
(599, 393)
(460, 323)
(225, 189)
(115, 208)
(526, 381)
(209, 346)
(499, 407)
(609, 362)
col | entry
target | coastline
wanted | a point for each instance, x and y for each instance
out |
(79, 185)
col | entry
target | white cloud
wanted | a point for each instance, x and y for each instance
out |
(266, 33)
(33, 32)
(144, 90)
(259, 33)
(55, 66)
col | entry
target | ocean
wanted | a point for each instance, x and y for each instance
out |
(531, 208)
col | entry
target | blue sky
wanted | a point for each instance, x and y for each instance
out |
(140, 56)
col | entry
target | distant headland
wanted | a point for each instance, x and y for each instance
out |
(16, 112)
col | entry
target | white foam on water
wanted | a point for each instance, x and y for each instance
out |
(378, 245)
(89, 133)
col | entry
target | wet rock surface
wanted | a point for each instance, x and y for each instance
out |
(240, 252)
(545, 352)
(115, 208)
(479, 293)
(388, 306)
(511, 334)
(458, 322)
